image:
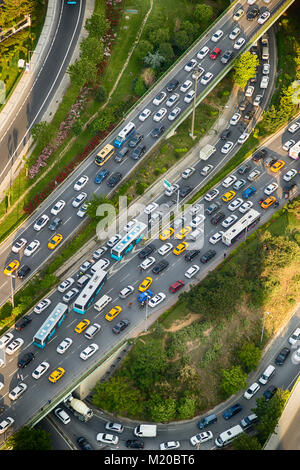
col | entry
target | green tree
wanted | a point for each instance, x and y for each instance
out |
(162, 410)
(103, 121)
(186, 407)
(249, 357)
(97, 25)
(203, 13)
(92, 49)
(181, 40)
(233, 380)
(30, 439)
(82, 71)
(155, 60)
(246, 442)
(77, 127)
(93, 204)
(139, 87)
(245, 68)
(166, 51)
(40, 131)
(159, 36)
(101, 94)
(143, 48)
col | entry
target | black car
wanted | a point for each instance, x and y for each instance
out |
(121, 154)
(55, 223)
(225, 134)
(157, 131)
(20, 325)
(227, 56)
(249, 112)
(159, 267)
(207, 256)
(26, 359)
(212, 208)
(135, 140)
(134, 444)
(172, 85)
(254, 50)
(191, 255)
(243, 104)
(120, 326)
(282, 356)
(146, 251)
(270, 392)
(83, 443)
(259, 155)
(114, 179)
(244, 169)
(252, 12)
(23, 271)
(138, 152)
(185, 191)
(232, 411)
(217, 218)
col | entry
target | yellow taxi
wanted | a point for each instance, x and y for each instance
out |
(55, 240)
(268, 202)
(183, 233)
(11, 267)
(113, 313)
(56, 374)
(277, 166)
(228, 196)
(180, 248)
(82, 325)
(145, 284)
(167, 233)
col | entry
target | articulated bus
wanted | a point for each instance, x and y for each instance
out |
(129, 241)
(104, 154)
(88, 294)
(294, 151)
(48, 328)
(124, 135)
(248, 221)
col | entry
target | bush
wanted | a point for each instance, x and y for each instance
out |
(140, 188)
(101, 94)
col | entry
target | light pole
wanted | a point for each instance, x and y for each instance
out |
(263, 325)
(197, 75)
(12, 290)
(146, 316)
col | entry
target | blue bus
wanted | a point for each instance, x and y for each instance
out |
(71, 2)
(48, 328)
(128, 242)
(88, 294)
(124, 135)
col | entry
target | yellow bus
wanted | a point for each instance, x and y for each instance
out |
(104, 154)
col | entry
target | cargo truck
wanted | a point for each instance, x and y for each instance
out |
(207, 152)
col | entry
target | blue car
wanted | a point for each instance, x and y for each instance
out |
(101, 176)
(248, 192)
(145, 296)
(232, 411)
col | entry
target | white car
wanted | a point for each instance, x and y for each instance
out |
(81, 183)
(63, 286)
(287, 145)
(190, 65)
(103, 263)
(164, 249)
(263, 17)
(192, 271)
(144, 114)
(179, 222)
(243, 137)
(71, 294)
(18, 245)
(188, 172)
(107, 438)
(211, 195)
(196, 221)
(14, 346)
(229, 181)
(238, 14)
(79, 199)
(159, 98)
(216, 238)
(62, 415)
(235, 204)
(147, 262)
(174, 113)
(31, 248)
(150, 208)
(245, 207)
(5, 424)
(198, 73)
(82, 210)
(64, 345)
(206, 170)
(257, 100)
(201, 438)
(157, 299)
(296, 356)
(270, 188)
(41, 306)
(186, 86)
(89, 351)
(5, 339)
(40, 370)
(234, 33)
(250, 2)
(294, 127)
(251, 391)
(249, 91)
(189, 96)
(253, 175)
(41, 222)
(227, 147)
(17, 391)
(86, 265)
(206, 78)
(132, 223)
(194, 209)
(126, 292)
(290, 174)
(114, 240)
(58, 206)
(171, 445)
(217, 35)
(235, 119)
(264, 81)
(294, 337)
(239, 43)
(229, 221)
(172, 100)
(98, 253)
(160, 114)
(116, 427)
(203, 52)
(171, 190)
(266, 69)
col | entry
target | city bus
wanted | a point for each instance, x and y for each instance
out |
(104, 154)
(48, 328)
(248, 221)
(129, 241)
(71, 2)
(294, 151)
(124, 135)
(88, 294)
(228, 436)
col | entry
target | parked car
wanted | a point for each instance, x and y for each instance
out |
(232, 411)
(282, 356)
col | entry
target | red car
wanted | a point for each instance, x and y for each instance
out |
(215, 53)
(176, 286)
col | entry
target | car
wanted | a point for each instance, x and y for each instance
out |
(238, 44)
(277, 166)
(56, 374)
(296, 356)
(5, 424)
(133, 443)
(195, 209)
(270, 188)
(190, 65)
(147, 262)
(198, 72)
(282, 356)
(121, 154)
(188, 172)
(160, 114)
(31, 248)
(239, 184)
(64, 345)
(287, 145)
(41, 222)
(145, 284)
(249, 91)
(120, 326)
(234, 33)
(192, 271)
(206, 170)
(157, 299)
(20, 325)
(248, 421)
(171, 189)
(179, 222)
(264, 81)
(212, 194)
(185, 190)
(227, 56)
(217, 218)
(160, 267)
(18, 245)
(206, 78)
(125, 292)
(229, 221)
(294, 127)
(63, 286)
(62, 415)
(101, 176)
(189, 96)
(11, 267)
(174, 113)
(225, 134)
(235, 204)
(164, 249)
(176, 286)
(116, 427)
(138, 152)
(251, 390)
(98, 253)
(55, 241)
(81, 183)
(263, 17)
(244, 169)
(257, 100)
(259, 155)
(215, 53)
(183, 233)
(201, 438)
(144, 114)
(146, 251)
(228, 196)
(243, 137)
(171, 445)
(186, 86)
(150, 208)
(212, 208)
(217, 35)
(82, 210)
(135, 140)
(180, 248)
(81, 326)
(253, 175)
(5, 339)
(40, 370)
(245, 207)
(227, 147)
(229, 181)
(199, 219)
(249, 192)
(166, 234)
(254, 49)
(295, 336)
(55, 223)
(203, 52)
(270, 392)
(23, 271)
(235, 119)
(172, 85)
(83, 443)
(79, 199)
(114, 179)
(42, 305)
(216, 237)
(208, 256)
(159, 98)
(238, 14)
(114, 240)
(266, 69)
(252, 12)
(232, 411)
(89, 351)
(25, 359)
(17, 391)
(14, 346)
(107, 438)
(70, 295)
(157, 131)
(58, 206)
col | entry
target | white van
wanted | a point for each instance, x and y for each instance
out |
(195, 234)
(146, 430)
(92, 330)
(83, 280)
(101, 264)
(265, 53)
(266, 375)
(101, 303)
(228, 436)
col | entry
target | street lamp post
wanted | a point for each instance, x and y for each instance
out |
(263, 325)
(146, 316)
(197, 75)
(12, 290)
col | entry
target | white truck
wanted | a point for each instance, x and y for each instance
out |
(79, 408)
(146, 430)
(207, 152)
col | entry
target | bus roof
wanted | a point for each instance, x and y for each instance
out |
(241, 224)
(129, 237)
(91, 287)
(51, 321)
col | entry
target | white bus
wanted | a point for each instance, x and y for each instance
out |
(88, 294)
(294, 151)
(124, 135)
(128, 242)
(48, 328)
(228, 436)
(248, 221)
